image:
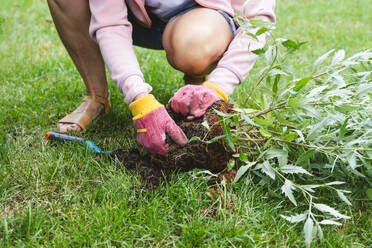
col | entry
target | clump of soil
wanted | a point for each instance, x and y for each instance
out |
(196, 154)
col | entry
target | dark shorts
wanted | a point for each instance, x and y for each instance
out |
(152, 38)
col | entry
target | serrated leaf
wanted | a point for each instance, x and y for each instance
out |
(305, 157)
(327, 209)
(343, 197)
(338, 57)
(311, 187)
(222, 114)
(249, 120)
(280, 154)
(330, 222)
(334, 183)
(242, 170)
(301, 83)
(322, 58)
(295, 218)
(291, 169)
(287, 189)
(352, 161)
(308, 231)
(268, 170)
(259, 51)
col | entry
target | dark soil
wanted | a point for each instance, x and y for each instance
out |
(214, 157)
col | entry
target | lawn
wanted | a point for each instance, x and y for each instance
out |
(64, 195)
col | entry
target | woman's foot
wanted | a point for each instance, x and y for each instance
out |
(91, 109)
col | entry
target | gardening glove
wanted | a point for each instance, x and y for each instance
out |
(153, 122)
(194, 100)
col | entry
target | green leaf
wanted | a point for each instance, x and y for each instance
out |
(287, 189)
(275, 85)
(352, 160)
(242, 170)
(206, 125)
(343, 197)
(290, 169)
(229, 139)
(262, 122)
(343, 129)
(194, 138)
(305, 157)
(330, 210)
(338, 57)
(249, 120)
(295, 218)
(259, 23)
(268, 170)
(369, 193)
(334, 183)
(259, 51)
(262, 31)
(292, 45)
(330, 222)
(295, 102)
(280, 154)
(290, 136)
(322, 58)
(301, 83)
(222, 114)
(215, 139)
(308, 231)
(265, 133)
(243, 157)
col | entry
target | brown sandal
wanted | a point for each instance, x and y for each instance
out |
(81, 118)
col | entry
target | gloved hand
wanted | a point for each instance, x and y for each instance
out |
(153, 122)
(194, 100)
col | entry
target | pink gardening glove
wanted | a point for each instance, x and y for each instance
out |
(193, 100)
(151, 130)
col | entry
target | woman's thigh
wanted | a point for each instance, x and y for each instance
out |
(196, 40)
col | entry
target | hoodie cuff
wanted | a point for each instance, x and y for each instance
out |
(224, 79)
(133, 86)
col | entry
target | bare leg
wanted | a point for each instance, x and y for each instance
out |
(195, 41)
(72, 18)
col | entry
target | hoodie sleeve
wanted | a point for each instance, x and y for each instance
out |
(238, 60)
(112, 31)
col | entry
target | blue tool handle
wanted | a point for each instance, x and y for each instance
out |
(59, 136)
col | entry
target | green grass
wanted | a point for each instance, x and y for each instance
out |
(64, 195)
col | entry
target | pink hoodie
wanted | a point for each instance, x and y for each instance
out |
(113, 32)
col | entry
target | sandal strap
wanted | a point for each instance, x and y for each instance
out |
(104, 101)
(79, 118)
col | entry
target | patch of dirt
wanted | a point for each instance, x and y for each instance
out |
(155, 169)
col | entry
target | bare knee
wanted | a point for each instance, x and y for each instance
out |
(196, 40)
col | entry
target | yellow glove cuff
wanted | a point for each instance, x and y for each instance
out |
(144, 106)
(219, 91)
